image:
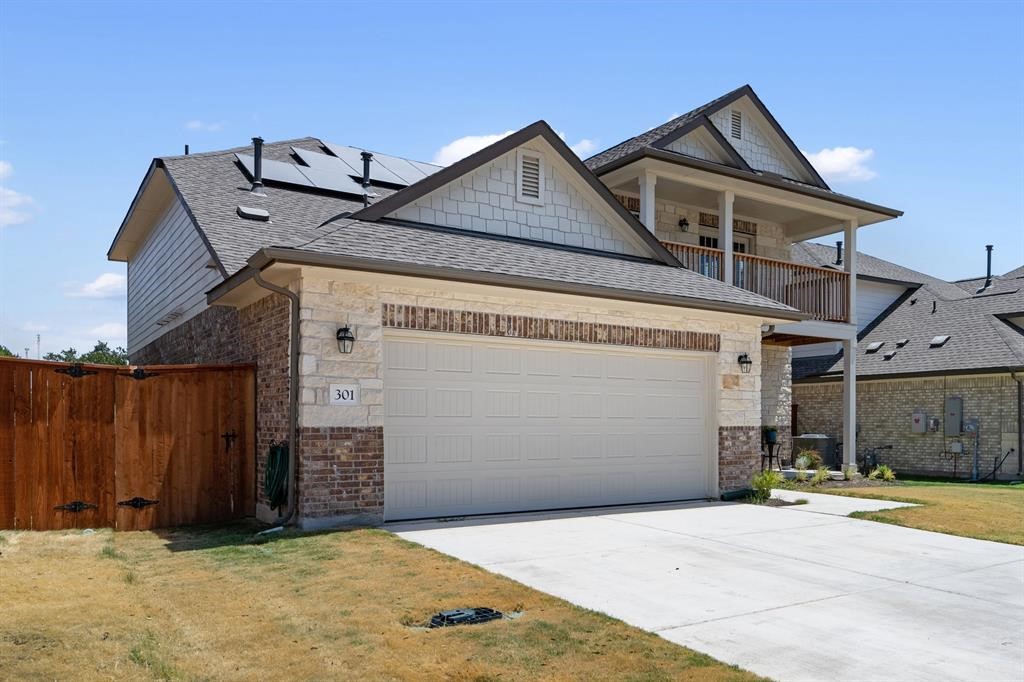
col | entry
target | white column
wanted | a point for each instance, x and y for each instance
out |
(647, 216)
(725, 201)
(850, 351)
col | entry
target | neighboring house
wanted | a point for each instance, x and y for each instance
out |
(930, 340)
(530, 332)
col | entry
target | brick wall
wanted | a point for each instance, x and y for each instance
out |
(739, 456)
(884, 409)
(255, 334)
(341, 474)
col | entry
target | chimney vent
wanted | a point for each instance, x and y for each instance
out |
(257, 166)
(186, 150)
(839, 252)
(988, 270)
(366, 177)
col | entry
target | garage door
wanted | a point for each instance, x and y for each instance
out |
(476, 426)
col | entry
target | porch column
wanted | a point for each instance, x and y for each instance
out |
(647, 216)
(850, 351)
(725, 201)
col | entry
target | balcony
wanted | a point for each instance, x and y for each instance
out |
(822, 293)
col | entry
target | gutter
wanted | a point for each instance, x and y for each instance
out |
(265, 257)
(680, 160)
(293, 392)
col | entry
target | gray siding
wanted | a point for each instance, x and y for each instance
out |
(168, 274)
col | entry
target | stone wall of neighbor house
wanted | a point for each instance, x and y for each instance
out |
(884, 409)
(768, 238)
(256, 334)
(777, 394)
(368, 308)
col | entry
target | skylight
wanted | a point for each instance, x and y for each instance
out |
(874, 346)
(890, 355)
(938, 341)
(902, 342)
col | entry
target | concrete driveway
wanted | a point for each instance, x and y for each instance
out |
(794, 593)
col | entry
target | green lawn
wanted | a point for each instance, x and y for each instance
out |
(987, 511)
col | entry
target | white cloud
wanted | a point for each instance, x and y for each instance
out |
(203, 126)
(843, 164)
(464, 146)
(6, 169)
(15, 208)
(110, 331)
(583, 148)
(107, 285)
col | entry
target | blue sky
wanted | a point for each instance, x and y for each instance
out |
(89, 93)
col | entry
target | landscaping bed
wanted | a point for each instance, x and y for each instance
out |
(210, 603)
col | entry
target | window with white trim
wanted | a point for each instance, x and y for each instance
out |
(529, 177)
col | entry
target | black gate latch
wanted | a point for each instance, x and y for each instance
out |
(76, 371)
(76, 506)
(137, 502)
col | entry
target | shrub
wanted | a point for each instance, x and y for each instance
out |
(848, 472)
(885, 472)
(820, 476)
(762, 485)
(801, 476)
(811, 459)
(874, 474)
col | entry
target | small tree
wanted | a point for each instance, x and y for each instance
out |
(101, 354)
(5, 352)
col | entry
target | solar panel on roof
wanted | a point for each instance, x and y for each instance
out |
(325, 161)
(400, 167)
(301, 176)
(353, 157)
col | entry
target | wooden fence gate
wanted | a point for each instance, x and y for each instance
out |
(134, 449)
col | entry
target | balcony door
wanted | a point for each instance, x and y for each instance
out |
(740, 244)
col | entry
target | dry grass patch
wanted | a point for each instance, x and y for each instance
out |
(211, 604)
(984, 511)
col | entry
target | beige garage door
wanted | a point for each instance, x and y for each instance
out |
(476, 426)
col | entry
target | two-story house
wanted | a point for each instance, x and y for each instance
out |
(517, 331)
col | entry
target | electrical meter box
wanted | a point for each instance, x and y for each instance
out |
(933, 424)
(919, 422)
(956, 447)
(972, 424)
(954, 416)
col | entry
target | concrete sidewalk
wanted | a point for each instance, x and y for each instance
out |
(793, 593)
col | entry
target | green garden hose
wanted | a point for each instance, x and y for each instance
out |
(275, 476)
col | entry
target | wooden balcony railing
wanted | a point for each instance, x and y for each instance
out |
(823, 293)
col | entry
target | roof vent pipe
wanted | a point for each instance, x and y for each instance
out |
(186, 150)
(839, 253)
(257, 165)
(988, 270)
(366, 177)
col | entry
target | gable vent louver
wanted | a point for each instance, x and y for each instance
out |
(737, 125)
(530, 178)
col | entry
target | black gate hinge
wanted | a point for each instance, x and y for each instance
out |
(140, 373)
(76, 506)
(137, 502)
(76, 371)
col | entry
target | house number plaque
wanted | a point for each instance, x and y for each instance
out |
(344, 394)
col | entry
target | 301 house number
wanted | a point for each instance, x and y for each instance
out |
(344, 394)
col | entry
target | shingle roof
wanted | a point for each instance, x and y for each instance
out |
(979, 339)
(824, 256)
(213, 186)
(391, 242)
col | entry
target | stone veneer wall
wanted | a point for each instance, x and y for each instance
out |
(255, 334)
(884, 409)
(777, 394)
(367, 308)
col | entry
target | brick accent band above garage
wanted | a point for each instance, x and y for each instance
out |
(421, 318)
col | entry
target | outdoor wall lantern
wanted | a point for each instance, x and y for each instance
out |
(346, 339)
(684, 225)
(745, 363)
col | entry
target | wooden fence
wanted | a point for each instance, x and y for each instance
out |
(134, 449)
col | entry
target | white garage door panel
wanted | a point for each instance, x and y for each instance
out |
(494, 426)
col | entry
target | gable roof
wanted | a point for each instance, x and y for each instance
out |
(824, 256)
(464, 256)
(702, 122)
(382, 208)
(654, 137)
(980, 339)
